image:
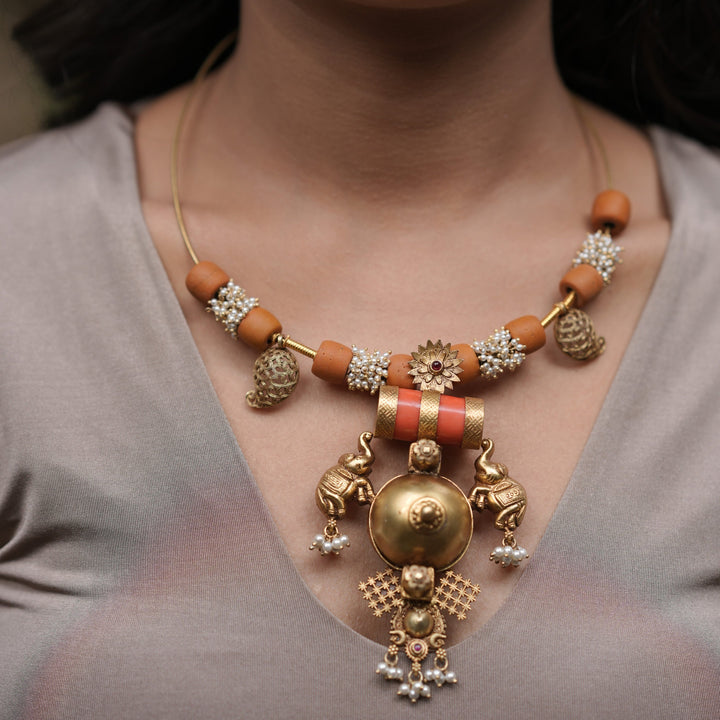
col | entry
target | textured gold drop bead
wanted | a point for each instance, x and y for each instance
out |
(576, 336)
(276, 375)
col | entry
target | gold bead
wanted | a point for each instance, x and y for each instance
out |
(419, 622)
(419, 519)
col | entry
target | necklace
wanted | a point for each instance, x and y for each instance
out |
(420, 523)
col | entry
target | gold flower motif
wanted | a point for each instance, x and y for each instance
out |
(435, 367)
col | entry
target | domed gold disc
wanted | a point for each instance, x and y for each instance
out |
(419, 519)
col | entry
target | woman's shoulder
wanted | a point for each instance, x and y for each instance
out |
(690, 175)
(62, 184)
(46, 170)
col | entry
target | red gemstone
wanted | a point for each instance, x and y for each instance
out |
(436, 366)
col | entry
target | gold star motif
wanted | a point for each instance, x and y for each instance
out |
(382, 592)
(455, 594)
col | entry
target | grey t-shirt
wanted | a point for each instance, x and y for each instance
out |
(141, 575)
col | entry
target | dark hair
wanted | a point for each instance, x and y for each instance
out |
(650, 61)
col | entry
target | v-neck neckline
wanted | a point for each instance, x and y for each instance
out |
(119, 119)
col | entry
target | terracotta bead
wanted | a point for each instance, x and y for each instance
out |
(331, 361)
(611, 207)
(528, 331)
(470, 366)
(585, 280)
(204, 280)
(258, 327)
(398, 368)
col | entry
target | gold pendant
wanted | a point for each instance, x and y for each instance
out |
(420, 524)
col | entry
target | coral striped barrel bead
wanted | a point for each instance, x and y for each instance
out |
(331, 361)
(584, 280)
(528, 331)
(205, 279)
(611, 209)
(258, 328)
(409, 415)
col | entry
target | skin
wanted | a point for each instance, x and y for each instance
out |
(381, 173)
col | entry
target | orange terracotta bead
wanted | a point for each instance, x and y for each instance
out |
(585, 280)
(331, 361)
(470, 366)
(398, 368)
(611, 208)
(528, 331)
(258, 328)
(204, 280)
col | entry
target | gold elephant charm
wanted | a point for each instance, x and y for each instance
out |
(494, 490)
(339, 485)
(347, 480)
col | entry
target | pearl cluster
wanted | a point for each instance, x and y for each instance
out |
(231, 306)
(368, 370)
(327, 546)
(500, 352)
(601, 252)
(440, 677)
(389, 672)
(414, 690)
(506, 555)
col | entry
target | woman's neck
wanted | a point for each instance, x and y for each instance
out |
(401, 107)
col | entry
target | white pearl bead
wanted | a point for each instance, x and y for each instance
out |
(450, 676)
